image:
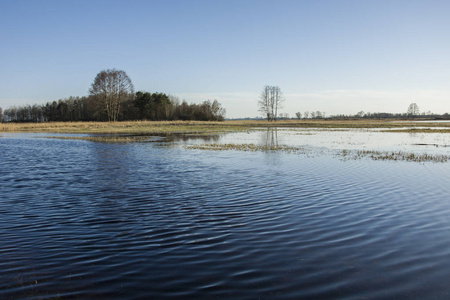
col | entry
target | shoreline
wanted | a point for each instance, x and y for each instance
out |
(213, 127)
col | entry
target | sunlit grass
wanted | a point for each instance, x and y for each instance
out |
(243, 147)
(395, 156)
(345, 154)
(111, 138)
(420, 130)
(136, 128)
(198, 127)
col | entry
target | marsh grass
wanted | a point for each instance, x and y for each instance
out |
(198, 127)
(143, 131)
(345, 154)
(243, 147)
(112, 138)
(133, 128)
(418, 130)
(395, 156)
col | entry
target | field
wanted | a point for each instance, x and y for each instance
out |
(196, 127)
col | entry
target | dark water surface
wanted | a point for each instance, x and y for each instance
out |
(154, 220)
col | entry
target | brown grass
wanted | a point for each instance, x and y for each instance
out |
(243, 147)
(197, 127)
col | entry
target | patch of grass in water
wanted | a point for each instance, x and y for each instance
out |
(395, 156)
(111, 138)
(417, 130)
(243, 147)
(346, 154)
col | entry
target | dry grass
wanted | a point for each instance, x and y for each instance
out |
(111, 138)
(420, 130)
(346, 154)
(197, 127)
(243, 147)
(135, 128)
(395, 156)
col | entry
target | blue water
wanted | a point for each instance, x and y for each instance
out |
(155, 220)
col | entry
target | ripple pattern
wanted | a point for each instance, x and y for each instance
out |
(114, 221)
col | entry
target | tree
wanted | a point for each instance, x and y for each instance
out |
(270, 100)
(298, 115)
(1, 115)
(360, 114)
(306, 114)
(413, 110)
(111, 88)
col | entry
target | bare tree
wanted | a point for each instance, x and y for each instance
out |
(306, 114)
(264, 103)
(298, 115)
(1, 115)
(111, 88)
(270, 101)
(413, 110)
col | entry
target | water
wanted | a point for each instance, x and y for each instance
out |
(156, 220)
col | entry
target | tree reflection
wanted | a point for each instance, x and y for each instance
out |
(270, 138)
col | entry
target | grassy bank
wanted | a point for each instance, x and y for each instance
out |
(196, 127)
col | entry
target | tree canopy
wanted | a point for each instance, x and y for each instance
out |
(112, 98)
(111, 88)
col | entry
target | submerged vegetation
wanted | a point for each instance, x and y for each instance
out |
(112, 138)
(395, 155)
(346, 154)
(151, 131)
(243, 147)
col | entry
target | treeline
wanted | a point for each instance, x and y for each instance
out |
(143, 106)
(384, 115)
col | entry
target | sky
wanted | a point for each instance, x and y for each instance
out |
(333, 56)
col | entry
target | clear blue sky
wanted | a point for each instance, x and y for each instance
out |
(336, 56)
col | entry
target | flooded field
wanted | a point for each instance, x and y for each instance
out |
(264, 213)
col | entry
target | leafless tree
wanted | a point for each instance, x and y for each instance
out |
(298, 115)
(306, 114)
(1, 114)
(270, 101)
(413, 110)
(111, 88)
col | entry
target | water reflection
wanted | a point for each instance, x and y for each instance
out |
(190, 137)
(175, 140)
(270, 138)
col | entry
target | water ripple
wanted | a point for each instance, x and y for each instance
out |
(89, 220)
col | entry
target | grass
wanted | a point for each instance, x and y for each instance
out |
(111, 138)
(395, 156)
(142, 131)
(134, 128)
(346, 154)
(420, 130)
(197, 127)
(243, 147)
